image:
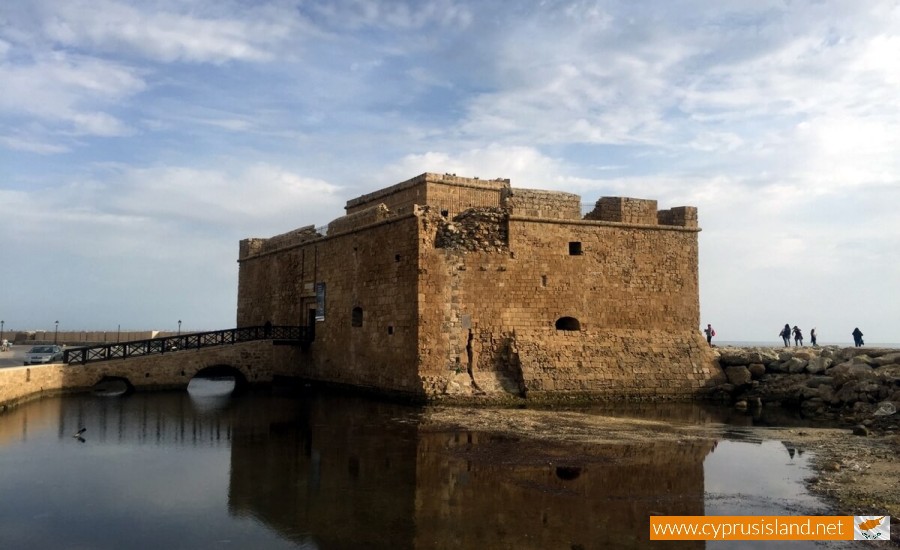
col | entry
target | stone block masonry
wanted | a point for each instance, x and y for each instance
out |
(449, 286)
(257, 361)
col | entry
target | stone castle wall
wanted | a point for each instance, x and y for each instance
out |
(626, 298)
(372, 271)
(514, 295)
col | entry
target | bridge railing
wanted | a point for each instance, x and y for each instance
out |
(194, 340)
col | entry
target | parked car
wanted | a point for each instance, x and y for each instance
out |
(43, 354)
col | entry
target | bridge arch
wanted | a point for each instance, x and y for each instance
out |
(111, 386)
(222, 371)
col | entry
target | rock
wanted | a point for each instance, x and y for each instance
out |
(777, 367)
(741, 405)
(738, 375)
(860, 430)
(765, 356)
(888, 374)
(887, 359)
(818, 364)
(795, 365)
(726, 388)
(816, 381)
(826, 393)
(733, 357)
(757, 370)
(845, 372)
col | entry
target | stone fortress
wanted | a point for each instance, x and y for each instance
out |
(446, 286)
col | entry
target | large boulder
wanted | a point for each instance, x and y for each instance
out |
(757, 370)
(733, 357)
(849, 371)
(795, 365)
(817, 365)
(738, 375)
(887, 359)
(889, 374)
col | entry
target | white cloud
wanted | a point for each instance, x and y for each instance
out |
(68, 90)
(174, 32)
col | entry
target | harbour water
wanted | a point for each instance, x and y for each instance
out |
(315, 470)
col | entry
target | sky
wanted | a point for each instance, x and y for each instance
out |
(140, 141)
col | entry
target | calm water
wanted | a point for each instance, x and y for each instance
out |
(266, 470)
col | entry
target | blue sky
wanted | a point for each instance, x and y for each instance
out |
(140, 141)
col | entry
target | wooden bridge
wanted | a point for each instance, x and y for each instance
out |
(279, 334)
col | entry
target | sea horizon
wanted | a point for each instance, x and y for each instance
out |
(806, 344)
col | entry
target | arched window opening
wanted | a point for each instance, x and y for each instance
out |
(567, 323)
(356, 317)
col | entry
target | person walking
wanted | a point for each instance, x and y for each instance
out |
(786, 335)
(812, 337)
(798, 336)
(857, 337)
(710, 332)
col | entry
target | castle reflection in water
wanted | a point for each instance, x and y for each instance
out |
(332, 471)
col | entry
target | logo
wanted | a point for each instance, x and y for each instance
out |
(871, 527)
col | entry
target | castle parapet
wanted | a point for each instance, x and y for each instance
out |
(536, 203)
(445, 192)
(624, 210)
(684, 216)
(641, 211)
(359, 219)
(253, 246)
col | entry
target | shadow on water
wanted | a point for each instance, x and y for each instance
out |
(203, 469)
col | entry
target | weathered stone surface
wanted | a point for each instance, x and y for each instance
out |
(795, 365)
(738, 375)
(849, 371)
(778, 366)
(757, 370)
(817, 365)
(887, 359)
(728, 358)
(861, 430)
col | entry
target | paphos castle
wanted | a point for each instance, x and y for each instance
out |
(452, 286)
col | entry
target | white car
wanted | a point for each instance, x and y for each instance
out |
(43, 354)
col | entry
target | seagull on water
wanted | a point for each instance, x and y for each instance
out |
(80, 432)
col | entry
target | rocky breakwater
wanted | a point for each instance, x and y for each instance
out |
(859, 386)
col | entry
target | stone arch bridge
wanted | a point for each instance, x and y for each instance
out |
(247, 353)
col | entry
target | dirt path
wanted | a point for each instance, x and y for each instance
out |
(858, 475)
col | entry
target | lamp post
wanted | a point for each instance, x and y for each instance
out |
(179, 327)
(1, 329)
(56, 332)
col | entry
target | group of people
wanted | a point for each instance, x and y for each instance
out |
(787, 332)
(796, 333)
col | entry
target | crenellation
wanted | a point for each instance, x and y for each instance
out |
(684, 216)
(543, 204)
(624, 210)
